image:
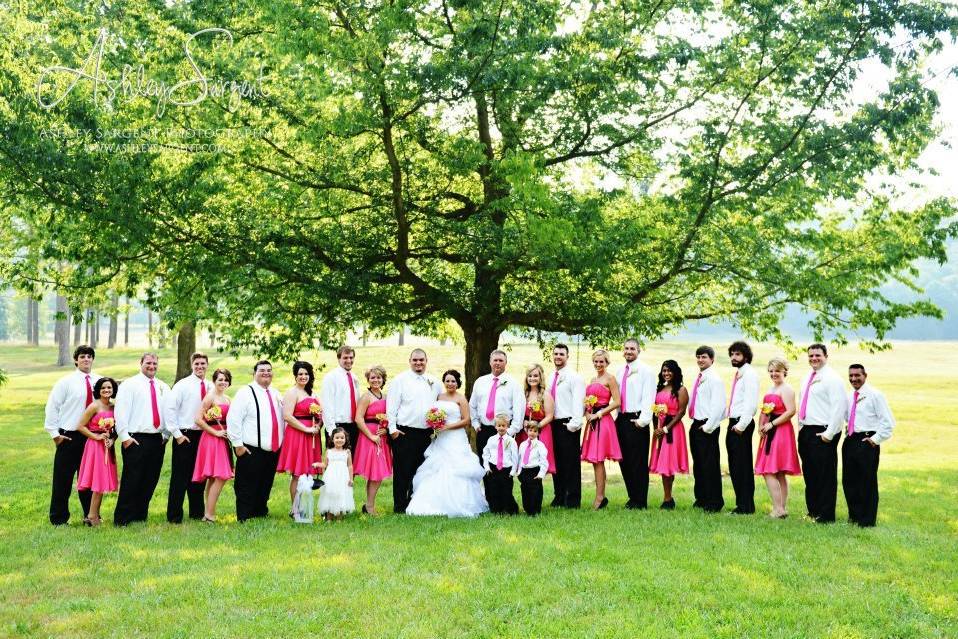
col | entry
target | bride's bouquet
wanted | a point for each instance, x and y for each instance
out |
(435, 419)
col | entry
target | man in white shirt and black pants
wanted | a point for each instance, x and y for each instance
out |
(338, 395)
(496, 394)
(870, 423)
(706, 408)
(637, 394)
(180, 421)
(821, 413)
(742, 405)
(410, 395)
(568, 391)
(139, 427)
(67, 401)
(254, 428)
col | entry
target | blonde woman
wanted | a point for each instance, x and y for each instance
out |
(601, 441)
(540, 409)
(374, 457)
(777, 455)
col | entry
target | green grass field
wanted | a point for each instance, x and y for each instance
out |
(613, 573)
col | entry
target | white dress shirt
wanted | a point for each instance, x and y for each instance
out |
(872, 413)
(66, 402)
(510, 452)
(639, 388)
(409, 398)
(570, 396)
(538, 457)
(744, 399)
(709, 400)
(826, 401)
(241, 420)
(510, 400)
(334, 396)
(133, 410)
(182, 403)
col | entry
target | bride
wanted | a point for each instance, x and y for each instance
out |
(449, 481)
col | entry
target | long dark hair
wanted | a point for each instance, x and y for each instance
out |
(676, 384)
(309, 371)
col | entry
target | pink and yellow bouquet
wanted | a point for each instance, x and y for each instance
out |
(435, 419)
(214, 413)
(660, 409)
(107, 424)
(767, 408)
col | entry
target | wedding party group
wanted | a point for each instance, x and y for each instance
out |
(449, 455)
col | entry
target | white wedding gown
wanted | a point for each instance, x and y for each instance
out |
(449, 482)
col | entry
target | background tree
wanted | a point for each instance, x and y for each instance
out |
(595, 169)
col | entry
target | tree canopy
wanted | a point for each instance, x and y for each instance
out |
(601, 169)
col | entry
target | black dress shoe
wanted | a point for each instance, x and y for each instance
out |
(668, 505)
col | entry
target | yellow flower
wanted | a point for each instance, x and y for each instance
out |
(214, 412)
(767, 408)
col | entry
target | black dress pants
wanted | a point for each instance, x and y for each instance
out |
(409, 451)
(860, 478)
(740, 467)
(820, 468)
(181, 480)
(142, 463)
(634, 443)
(531, 488)
(66, 465)
(567, 479)
(499, 491)
(253, 482)
(706, 468)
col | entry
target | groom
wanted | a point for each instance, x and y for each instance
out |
(407, 401)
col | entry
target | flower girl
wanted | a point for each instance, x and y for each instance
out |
(336, 496)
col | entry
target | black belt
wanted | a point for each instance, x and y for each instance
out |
(135, 435)
(862, 435)
(344, 424)
(816, 427)
(64, 431)
(562, 420)
(635, 414)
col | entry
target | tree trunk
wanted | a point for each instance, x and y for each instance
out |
(36, 322)
(62, 331)
(402, 335)
(126, 324)
(94, 328)
(77, 327)
(480, 341)
(185, 346)
(114, 321)
(29, 321)
(89, 323)
(149, 328)
(364, 336)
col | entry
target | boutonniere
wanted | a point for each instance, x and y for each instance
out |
(502, 382)
(860, 398)
(815, 381)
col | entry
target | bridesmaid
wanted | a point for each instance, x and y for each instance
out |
(669, 451)
(98, 464)
(301, 447)
(540, 409)
(601, 441)
(374, 457)
(777, 453)
(214, 464)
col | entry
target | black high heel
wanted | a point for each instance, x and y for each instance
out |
(603, 503)
(364, 511)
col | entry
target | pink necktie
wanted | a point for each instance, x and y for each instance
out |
(731, 396)
(272, 413)
(156, 408)
(89, 392)
(352, 396)
(500, 454)
(525, 458)
(695, 392)
(555, 382)
(622, 387)
(491, 404)
(202, 389)
(851, 417)
(801, 411)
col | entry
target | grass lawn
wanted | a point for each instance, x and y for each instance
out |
(596, 574)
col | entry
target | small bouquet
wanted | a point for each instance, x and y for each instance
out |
(214, 413)
(590, 402)
(383, 420)
(435, 419)
(767, 408)
(315, 410)
(660, 409)
(108, 424)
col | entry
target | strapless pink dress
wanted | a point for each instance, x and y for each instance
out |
(98, 464)
(299, 450)
(373, 461)
(776, 449)
(601, 441)
(213, 456)
(669, 458)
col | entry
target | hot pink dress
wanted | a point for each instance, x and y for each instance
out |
(776, 448)
(545, 435)
(601, 441)
(98, 464)
(213, 457)
(669, 458)
(373, 461)
(300, 450)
